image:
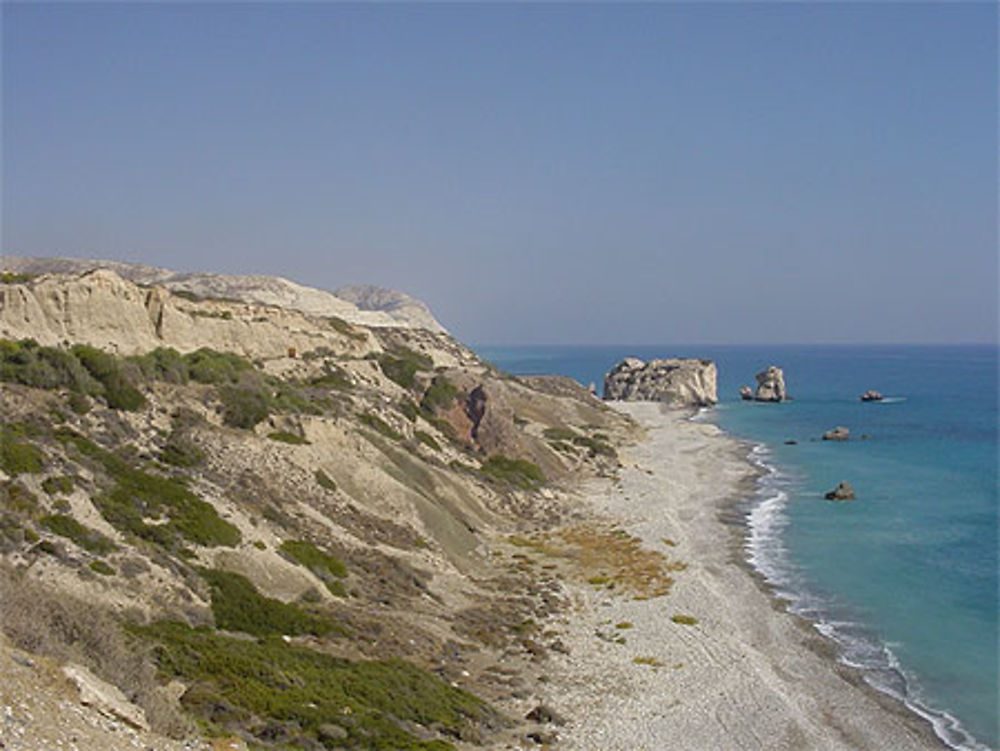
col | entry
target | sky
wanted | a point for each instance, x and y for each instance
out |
(538, 174)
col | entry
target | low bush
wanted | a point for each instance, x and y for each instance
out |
(118, 391)
(243, 407)
(58, 484)
(102, 568)
(308, 555)
(380, 426)
(11, 277)
(283, 436)
(343, 327)
(441, 394)
(315, 696)
(519, 473)
(79, 403)
(238, 606)
(85, 537)
(427, 439)
(409, 409)
(325, 481)
(559, 434)
(401, 365)
(18, 457)
(684, 620)
(181, 451)
(333, 378)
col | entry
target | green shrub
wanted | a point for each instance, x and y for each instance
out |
(181, 451)
(371, 702)
(17, 498)
(333, 378)
(343, 327)
(101, 568)
(519, 473)
(237, 606)
(10, 277)
(118, 391)
(595, 447)
(401, 365)
(79, 403)
(209, 366)
(559, 434)
(380, 426)
(58, 484)
(17, 457)
(283, 436)
(427, 439)
(162, 364)
(138, 495)
(27, 363)
(441, 394)
(684, 620)
(326, 566)
(71, 529)
(324, 481)
(243, 407)
(409, 409)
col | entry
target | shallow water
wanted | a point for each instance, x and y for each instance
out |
(905, 577)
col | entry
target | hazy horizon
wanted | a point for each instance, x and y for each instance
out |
(552, 174)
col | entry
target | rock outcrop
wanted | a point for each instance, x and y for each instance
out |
(843, 492)
(839, 433)
(872, 396)
(679, 382)
(770, 386)
(746, 393)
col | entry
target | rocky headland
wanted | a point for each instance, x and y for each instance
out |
(677, 382)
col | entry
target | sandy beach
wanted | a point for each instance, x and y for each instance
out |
(744, 675)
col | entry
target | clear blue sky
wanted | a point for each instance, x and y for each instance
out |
(537, 173)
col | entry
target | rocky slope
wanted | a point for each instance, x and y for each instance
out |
(281, 527)
(367, 305)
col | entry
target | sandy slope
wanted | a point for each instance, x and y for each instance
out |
(747, 675)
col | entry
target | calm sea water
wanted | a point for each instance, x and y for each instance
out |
(904, 579)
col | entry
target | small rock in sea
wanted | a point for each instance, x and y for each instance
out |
(746, 393)
(872, 396)
(545, 714)
(839, 433)
(865, 437)
(791, 442)
(843, 492)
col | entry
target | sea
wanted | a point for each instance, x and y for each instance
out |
(904, 579)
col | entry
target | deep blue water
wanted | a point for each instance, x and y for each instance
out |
(905, 577)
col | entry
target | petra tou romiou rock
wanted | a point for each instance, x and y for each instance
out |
(770, 387)
(679, 382)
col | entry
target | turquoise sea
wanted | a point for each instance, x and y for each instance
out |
(904, 579)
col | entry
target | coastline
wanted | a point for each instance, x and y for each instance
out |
(747, 674)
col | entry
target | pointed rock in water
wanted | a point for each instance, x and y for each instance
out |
(680, 382)
(746, 393)
(771, 385)
(843, 492)
(839, 433)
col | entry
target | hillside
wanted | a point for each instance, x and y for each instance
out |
(281, 527)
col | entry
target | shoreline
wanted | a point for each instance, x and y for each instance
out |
(747, 673)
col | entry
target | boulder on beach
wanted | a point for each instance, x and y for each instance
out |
(771, 385)
(872, 396)
(680, 382)
(843, 492)
(839, 433)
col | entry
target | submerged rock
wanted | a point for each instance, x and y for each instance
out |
(680, 382)
(839, 433)
(771, 385)
(843, 492)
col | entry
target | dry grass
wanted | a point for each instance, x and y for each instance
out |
(605, 556)
(39, 620)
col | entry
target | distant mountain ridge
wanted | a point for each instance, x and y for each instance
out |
(364, 305)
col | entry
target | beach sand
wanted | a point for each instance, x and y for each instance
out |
(747, 675)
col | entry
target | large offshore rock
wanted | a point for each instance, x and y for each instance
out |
(771, 385)
(680, 382)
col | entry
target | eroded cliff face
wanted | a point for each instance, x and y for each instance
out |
(365, 482)
(678, 382)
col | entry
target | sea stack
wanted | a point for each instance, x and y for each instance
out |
(679, 382)
(770, 386)
(843, 492)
